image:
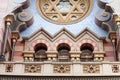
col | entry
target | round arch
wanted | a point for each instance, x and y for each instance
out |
(34, 43)
(89, 41)
(63, 41)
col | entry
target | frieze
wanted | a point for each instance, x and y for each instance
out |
(32, 68)
(61, 68)
(9, 68)
(91, 68)
(115, 68)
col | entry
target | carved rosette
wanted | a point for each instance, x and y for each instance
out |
(115, 68)
(32, 68)
(91, 68)
(9, 68)
(62, 68)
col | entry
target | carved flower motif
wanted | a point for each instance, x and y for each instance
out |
(9, 68)
(61, 68)
(115, 68)
(32, 68)
(91, 68)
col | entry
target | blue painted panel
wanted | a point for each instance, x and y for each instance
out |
(52, 28)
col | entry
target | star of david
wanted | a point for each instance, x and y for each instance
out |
(64, 11)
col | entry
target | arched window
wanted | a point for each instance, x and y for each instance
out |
(87, 52)
(40, 52)
(63, 52)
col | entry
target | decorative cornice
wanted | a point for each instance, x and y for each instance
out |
(62, 31)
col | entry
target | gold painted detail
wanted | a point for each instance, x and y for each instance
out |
(28, 56)
(64, 11)
(23, 14)
(61, 68)
(99, 56)
(115, 68)
(9, 68)
(32, 68)
(91, 68)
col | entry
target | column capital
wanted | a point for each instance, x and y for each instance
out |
(112, 35)
(15, 35)
(116, 19)
(9, 19)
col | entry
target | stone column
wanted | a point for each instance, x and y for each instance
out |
(8, 21)
(118, 27)
(112, 36)
(2, 56)
(114, 50)
(117, 21)
(12, 51)
(15, 37)
(1, 34)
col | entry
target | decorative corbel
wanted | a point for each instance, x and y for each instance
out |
(75, 56)
(99, 56)
(52, 55)
(28, 56)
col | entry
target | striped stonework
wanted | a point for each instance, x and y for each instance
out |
(19, 46)
(94, 44)
(18, 53)
(108, 49)
(34, 43)
(63, 41)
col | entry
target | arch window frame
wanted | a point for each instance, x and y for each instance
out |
(40, 52)
(87, 52)
(63, 52)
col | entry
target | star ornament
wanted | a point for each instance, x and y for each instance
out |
(64, 11)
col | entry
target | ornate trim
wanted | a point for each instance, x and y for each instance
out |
(115, 68)
(9, 68)
(91, 68)
(32, 68)
(61, 68)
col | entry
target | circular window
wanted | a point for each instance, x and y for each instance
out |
(64, 11)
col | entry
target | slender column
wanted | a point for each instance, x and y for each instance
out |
(12, 51)
(114, 50)
(117, 21)
(118, 25)
(15, 37)
(2, 56)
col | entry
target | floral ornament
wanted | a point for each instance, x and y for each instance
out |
(9, 68)
(32, 68)
(91, 68)
(61, 68)
(115, 68)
